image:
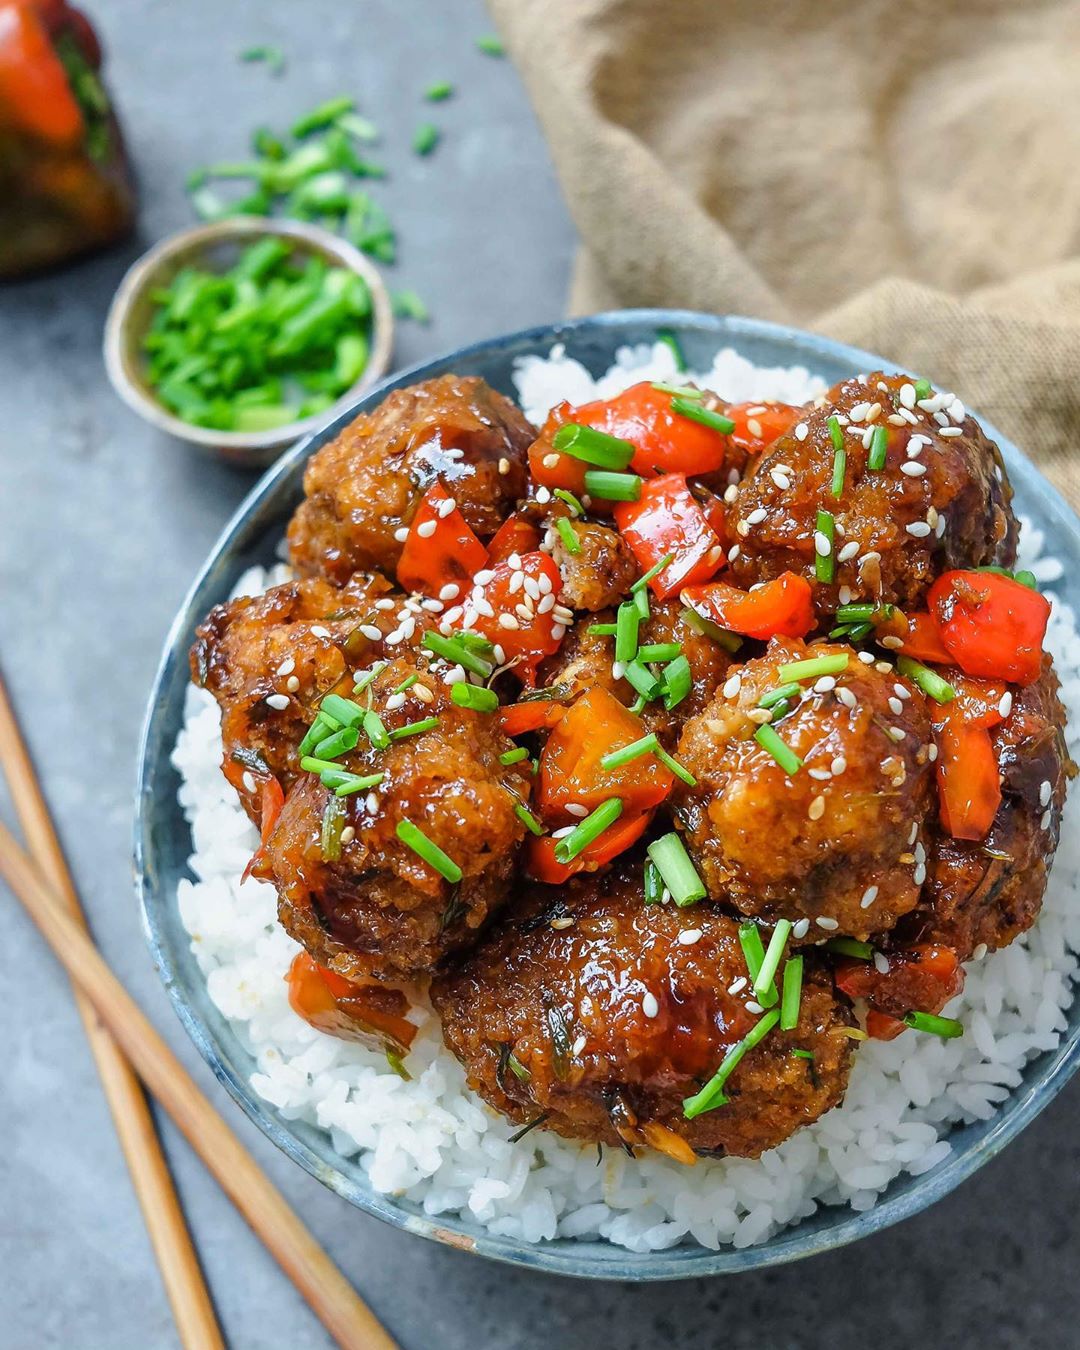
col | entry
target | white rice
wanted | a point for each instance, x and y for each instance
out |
(434, 1143)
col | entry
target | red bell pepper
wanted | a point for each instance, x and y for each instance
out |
(440, 549)
(344, 1008)
(757, 425)
(921, 978)
(920, 636)
(530, 640)
(782, 607)
(514, 535)
(667, 519)
(991, 625)
(570, 769)
(978, 701)
(516, 719)
(549, 467)
(968, 777)
(35, 91)
(540, 860)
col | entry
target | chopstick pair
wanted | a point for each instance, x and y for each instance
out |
(124, 1043)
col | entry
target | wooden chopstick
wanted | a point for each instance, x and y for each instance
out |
(332, 1298)
(193, 1312)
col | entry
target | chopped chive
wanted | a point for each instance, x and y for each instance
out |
(839, 457)
(679, 770)
(585, 833)
(273, 56)
(312, 764)
(802, 1054)
(640, 601)
(653, 571)
(858, 631)
(408, 305)
(406, 683)
(517, 1068)
(474, 696)
(712, 1095)
(602, 629)
(731, 642)
(613, 488)
(654, 883)
(879, 445)
(858, 613)
(415, 728)
(592, 446)
(375, 731)
(647, 685)
(413, 837)
(677, 682)
(365, 679)
(780, 695)
(764, 985)
(358, 127)
(845, 946)
(688, 407)
(490, 45)
(514, 756)
(945, 1027)
(568, 535)
(671, 342)
(1026, 578)
(426, 138)
(627, 620)
(435, 93)
(923, 389)
(780, 709)
(788, 760)
(617, 758)
(791, 998)
(475, 642)
(333, 822)
(572, 502)
(825, 563)
(325, 115)
(753, 948)
(659, 651)
(929, 681)
(318, 731)
(638, 704)
(345, 784)
(528, 819)
(338, 743)
(814, 667)
(397, 1063)
(679, 390)
(456, 652)
(679, 873)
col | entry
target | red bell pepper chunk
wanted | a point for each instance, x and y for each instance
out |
(968, 777)
(991, 625)
(921, 978)
(540, 859)
(757, 425)
(549, 467)
(667, 519)
(538, 714)
(978, 701)
(514, 535)
(34, 88)
(664, 441)
(782, 607)
(345, 1008)
(920, 636)
(570, 769)
(531, 639)
(440, 549)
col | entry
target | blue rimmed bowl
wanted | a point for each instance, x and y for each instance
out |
(163, 841)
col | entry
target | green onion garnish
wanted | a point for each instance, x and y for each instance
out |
(731, 642)
(780, 695)
(323, 116)
(816, 666)
(659, 651)
(647, 745)
(408, 305)
(764, 986)
(1026, 578)
(568, 535)
(679, 873)
(426, 138)
(490, 45)
(475, 642)
(592, 446)
(825, 563)
(839, 457)
(653, 571)
(863, 613)
(929, 681)
(364, 680)
(474, 696)
(333, 821)
(343, 710)
(802, 1054)
(712, 1094)
(601, 629)
(845, 946)
(273, 56)
(677, 682)
(671, 342)
(679, 770)
(788, 760)
(514, 756)
(571, 501)
(627, 620)
(945, 1027)
(879, 445)
(640, 601)
(679, 390)
(691, 408)
(654, 883)
(646, 684)
(435, 93)
(338, 743)
(344, 784)
(923, 389)
(588, 830)
(456, 652)
(406, 683)
(375, 731)
(528, 819)
(612, 487)
(415, 728)
(413, 837)
(753, 949)
(318, 731)
(791, 997)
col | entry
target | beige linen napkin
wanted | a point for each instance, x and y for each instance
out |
(903, 177)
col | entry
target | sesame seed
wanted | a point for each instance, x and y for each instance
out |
(839, 764)
(508, 621)
(822, 544)
(901, 692)
(292, 684)
(455, 675)
(517, 580)
(895, 706)
(564, 921)
(753, 1006)
(618, 670)
(844, 595)
(370, 631)
(543, 495)
(1044, 792)
(891, 641)
(394, 702)
(821, 775)
(951, 431)
(563, 831)
(545, 603)
(825, 685)
(689, 936)
(1005, 705)
(423, 693)
(881, 963)
(782, 481)
(384, 604)
(450, 591)
(444, 508)
(816, 809)
(931, 752)
(913, 834)
(756, 516)
(733, 553)
(883, 667)
(979, 952)
(558, 631)
(287, 666)
(939, 528)
(913, 469)
(919, 875)
(731, 492)
(426, 529)
(649, 1005)
(317, 630)
(734, 684)
(897, 733)
(401, 533)
(578, 1046)
(1047, 817)
(849, 551)
(800, 929)
(504, 465)
(920, 853)
(742, 529)
(576, 809)
(371, 801)
(248, 780)
(348, 834)
(830, 925)
(867, 658)
(737, 985)
(279, 702)
(895, 420)
(868, 897)
(551, 461)
(846, 696)
(801, 431)
(907, 395)
(760, 715)
(918, 529)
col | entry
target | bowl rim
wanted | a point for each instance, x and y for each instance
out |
(141, 275)
(567, 1256)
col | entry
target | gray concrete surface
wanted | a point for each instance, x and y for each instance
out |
(102, 524)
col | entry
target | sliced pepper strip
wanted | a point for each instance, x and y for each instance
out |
(782, 607)
(667, 519)
(349, 1010)
(968, 777)
(531, 639)
(514, 535)
(540, 852)
(991, 625)
(439, 550)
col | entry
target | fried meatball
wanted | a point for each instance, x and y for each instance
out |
(378, 908)
(600, 573)
(367, 483)
(833, 842)
(585, 662)
(941, 501)
(599, 1015)
(287, 647)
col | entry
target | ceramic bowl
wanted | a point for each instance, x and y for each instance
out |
(163, 842)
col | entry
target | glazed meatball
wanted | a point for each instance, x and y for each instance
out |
(269, 659)
(367, 483)
(585, 662)
(600, 573)
(941, 501)
(595, 1014)
(364, 903)
(834, 842)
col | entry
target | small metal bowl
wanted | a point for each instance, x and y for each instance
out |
(215, 247)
